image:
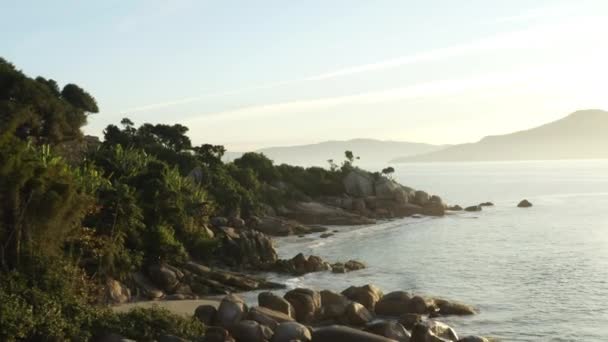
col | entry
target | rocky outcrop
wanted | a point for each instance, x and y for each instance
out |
(247, 248)
(473, 208)
(524, 204)
(359, 183)
(318, 213)
(323, 311)
(300, 265)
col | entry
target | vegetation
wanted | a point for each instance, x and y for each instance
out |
(142, 196)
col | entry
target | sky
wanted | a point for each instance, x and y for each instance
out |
(253, 74)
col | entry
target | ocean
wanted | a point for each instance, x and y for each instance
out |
(536, 274)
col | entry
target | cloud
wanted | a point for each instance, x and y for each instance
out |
(427, 89)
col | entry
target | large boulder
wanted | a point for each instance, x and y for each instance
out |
(306, 302)
(453, 308)
(435, 207)
(390, 329)
(271, 301)
(217, 334)
(357, 315)
(333, 304)
(421, 198)
(368, 295)
(422, 333)
(442, 330)
(267, 317)
(524, 204)
(335, 333)
(232, 310)
(291, 331)
(206, 314)
(393, 304)
(145, 286)
(116, 292)
(164, 276)
(251, 331)
(386, 189)
(359, 183)
(248, 248)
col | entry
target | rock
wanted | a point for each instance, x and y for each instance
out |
(357, 315)
(268, 317)
(306, 302)
(230, 232)
(205, 314)
(442, 330)
(393, 304)
(524, 204)
(219, 221)
(275, 226)
(236, 222)
(473, 339)
(453, 308)
(390, 190)
(358, 183)
(300, 265)
(435, 206)
(177, 296)
(249, 248)
(326, 235)
(338, 268)
(333, 304)
(316, 213)
(359, 206)
(208, 232)
(116, 292)
(232, 309)
(197, 268)
(455, 208)
(390, 329)
(217, 334)
(367, 295)
(422, 333)
(421, 198)
(146, 287)
(353, 265)
(486, 204)
(163, 276)
(408, 320)
(340, 333)
(473, 208)
(271, 301)
(291, 331)
(417, 305)
(251, 331)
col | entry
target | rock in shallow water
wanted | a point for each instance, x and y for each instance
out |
(524, 204)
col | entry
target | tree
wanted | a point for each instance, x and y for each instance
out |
(79, 98)
(388, 171)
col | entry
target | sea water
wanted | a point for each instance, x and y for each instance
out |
(535, 274)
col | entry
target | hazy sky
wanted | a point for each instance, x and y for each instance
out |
(250, 74)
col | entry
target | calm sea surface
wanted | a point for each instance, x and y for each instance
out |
(538, 274)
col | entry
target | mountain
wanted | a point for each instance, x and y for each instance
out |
(369, 150)
(580, 135)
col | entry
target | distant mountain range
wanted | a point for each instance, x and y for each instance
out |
(580, 135)
(370, 151)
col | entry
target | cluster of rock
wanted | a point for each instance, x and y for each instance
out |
(374, 196)
(357, 314)
(301, 264)
(189, 281)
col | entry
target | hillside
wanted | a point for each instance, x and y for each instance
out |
(580, 135)
(369, 150)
